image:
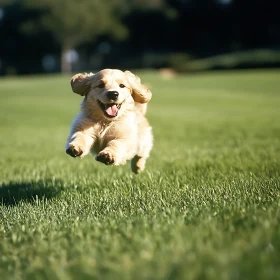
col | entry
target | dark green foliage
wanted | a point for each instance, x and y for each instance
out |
(73, 23)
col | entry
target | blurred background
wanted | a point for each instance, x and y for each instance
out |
(49, 36)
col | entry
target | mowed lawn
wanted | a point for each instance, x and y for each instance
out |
(206, 207)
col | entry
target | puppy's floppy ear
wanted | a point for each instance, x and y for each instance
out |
(80, 83)
(140, 92)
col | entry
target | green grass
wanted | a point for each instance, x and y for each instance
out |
(206, 207)
(253, 58)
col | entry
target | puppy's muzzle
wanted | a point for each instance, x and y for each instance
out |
(112, 94)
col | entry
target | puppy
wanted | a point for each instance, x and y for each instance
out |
(111, 122)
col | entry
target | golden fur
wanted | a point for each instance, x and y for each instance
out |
(111, 122)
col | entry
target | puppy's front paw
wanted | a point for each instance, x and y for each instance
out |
(105, 158)
(74, 151)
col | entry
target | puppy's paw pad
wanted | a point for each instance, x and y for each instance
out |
(74, 151)
(105, 158)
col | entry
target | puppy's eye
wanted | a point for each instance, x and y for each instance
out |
(122, 85)
(101, 85)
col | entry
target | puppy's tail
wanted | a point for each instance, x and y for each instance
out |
(141, 108)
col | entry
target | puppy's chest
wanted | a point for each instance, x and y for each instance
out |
(102, 134)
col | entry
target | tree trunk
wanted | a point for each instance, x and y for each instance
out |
(65, 61)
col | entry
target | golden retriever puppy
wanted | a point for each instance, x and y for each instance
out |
(111, 122)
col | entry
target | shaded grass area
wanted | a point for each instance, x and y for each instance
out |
(254, 58)
(207, 206)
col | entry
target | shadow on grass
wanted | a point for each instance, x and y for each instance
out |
(14, 192)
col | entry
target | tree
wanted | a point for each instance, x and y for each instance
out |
(73, 22)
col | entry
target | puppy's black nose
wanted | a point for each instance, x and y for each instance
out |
(113, 95)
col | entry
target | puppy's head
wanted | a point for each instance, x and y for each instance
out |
(110, 92)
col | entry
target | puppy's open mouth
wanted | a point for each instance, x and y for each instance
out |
(110, 110)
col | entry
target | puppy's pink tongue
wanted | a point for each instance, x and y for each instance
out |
(111, 109)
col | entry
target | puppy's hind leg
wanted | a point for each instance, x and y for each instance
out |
(138, 163)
